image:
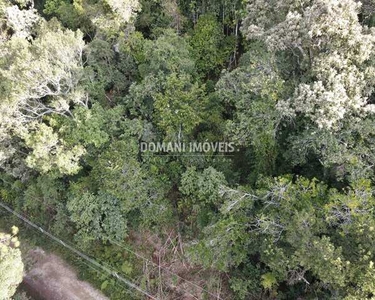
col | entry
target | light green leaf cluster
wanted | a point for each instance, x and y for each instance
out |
(11, 265)
(21, 21)
(125, 9)
(43, 69)
(169, 92)
(49, 152)
(201, 192)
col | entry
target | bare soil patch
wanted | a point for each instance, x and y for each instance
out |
(50, 277)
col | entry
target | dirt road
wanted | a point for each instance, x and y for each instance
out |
(51, 278)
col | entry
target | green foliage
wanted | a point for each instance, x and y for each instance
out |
(180, 106)
(209, 47)
(203, 187)
(158, 15)
(49, 153)
(11, 266)
(268, 280)
(42, 197)
(52, 6)
(95, 126)
(168, 87)
(108, 72)
(97, 217)
(345, 155)
(101, 18)
(80, 91)
(168, 54)
(201, 192)
(43, 80)
(253, 90)
(332, 89)
(282, 222)
(120, 175)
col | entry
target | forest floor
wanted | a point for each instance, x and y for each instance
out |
(50, 277)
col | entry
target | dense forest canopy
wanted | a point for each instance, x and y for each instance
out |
(290, 83)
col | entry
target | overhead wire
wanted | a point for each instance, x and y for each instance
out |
(216, 296)
(79, 253)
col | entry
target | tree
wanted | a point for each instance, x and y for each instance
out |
(210, 49)
(43, 80)
(170, 53)
(179, 106)
(42, 198)
(124, 9)
(282, 224)
(157, 59)
(49, 153)
(46, 74)
(11, 266)
(329, 111)
(254, 89)
(201, 195)
(169, 94)
(118, 173)
(103, 19)
(337, 57)
(346, 155)
(20, 21)
(109, 70)
(97, 218)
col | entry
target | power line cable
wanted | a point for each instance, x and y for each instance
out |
(216, 296)
(79, 253)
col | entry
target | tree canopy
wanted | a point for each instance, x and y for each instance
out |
(286, 212)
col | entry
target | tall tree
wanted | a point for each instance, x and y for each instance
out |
(332, 46)
(331, 55)
(43, 80)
